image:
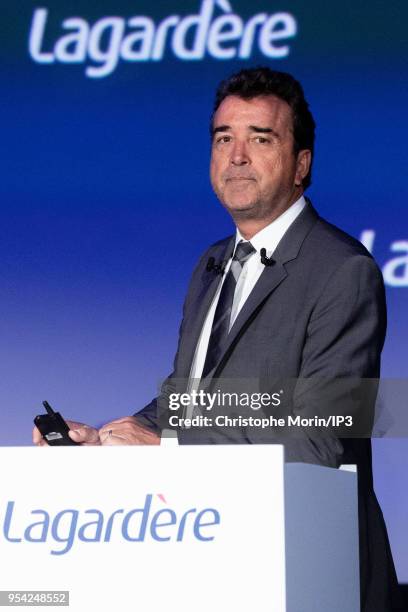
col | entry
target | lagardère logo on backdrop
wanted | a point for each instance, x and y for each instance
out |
(146, 522)
(215, 31)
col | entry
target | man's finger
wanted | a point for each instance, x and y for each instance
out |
(37, 437)
(109, 432)
(113, 440)
(120, 421)
(84, 435)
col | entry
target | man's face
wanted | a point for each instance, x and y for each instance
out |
(254, 170)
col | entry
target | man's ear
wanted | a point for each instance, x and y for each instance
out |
(303, 162)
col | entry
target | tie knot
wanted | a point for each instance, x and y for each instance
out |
(243, 252)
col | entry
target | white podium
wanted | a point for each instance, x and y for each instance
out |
(203, 528)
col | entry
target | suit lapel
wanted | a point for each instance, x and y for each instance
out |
(269, 280)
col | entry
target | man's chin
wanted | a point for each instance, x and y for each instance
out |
(241, 209)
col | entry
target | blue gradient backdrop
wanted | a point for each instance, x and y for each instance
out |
(105, 203)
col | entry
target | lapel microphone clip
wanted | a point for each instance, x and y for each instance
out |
(216, 268)
(267, 261)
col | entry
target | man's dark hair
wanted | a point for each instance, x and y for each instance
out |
(263, 81)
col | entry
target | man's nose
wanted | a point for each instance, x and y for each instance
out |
(239, 154)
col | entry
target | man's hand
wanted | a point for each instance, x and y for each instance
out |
(84, 434)
(126, 431)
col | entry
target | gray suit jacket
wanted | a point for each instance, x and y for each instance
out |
(318, 314)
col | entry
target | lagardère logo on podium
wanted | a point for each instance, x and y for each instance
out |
(215, 31)
(146, 522)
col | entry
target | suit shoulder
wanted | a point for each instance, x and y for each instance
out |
(339, 238)
(328, 252)
(334, 245)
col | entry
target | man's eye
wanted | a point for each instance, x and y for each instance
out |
(261, 139)
(223, 139)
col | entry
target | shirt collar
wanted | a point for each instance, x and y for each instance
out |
(269, 237)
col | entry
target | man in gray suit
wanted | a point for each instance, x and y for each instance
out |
(289, 297)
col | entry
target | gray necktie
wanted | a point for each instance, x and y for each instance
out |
(222, 316)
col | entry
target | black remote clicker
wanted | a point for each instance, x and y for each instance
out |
(53, 428)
